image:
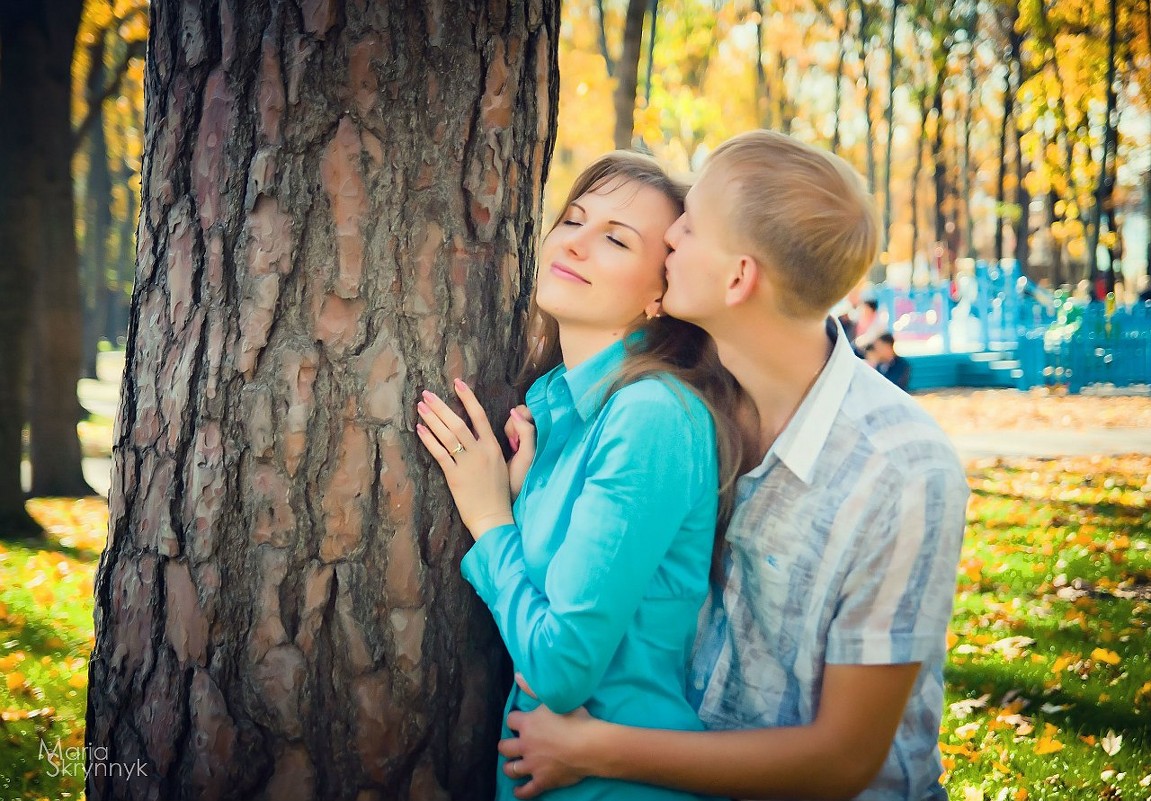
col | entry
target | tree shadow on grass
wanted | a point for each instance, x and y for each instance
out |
(999, 679)
(1135, 518)
(988, 673)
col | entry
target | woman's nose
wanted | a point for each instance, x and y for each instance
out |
(576, 242)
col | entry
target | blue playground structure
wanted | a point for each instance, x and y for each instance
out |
(993, 327)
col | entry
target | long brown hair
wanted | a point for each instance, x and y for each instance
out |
(668, 347)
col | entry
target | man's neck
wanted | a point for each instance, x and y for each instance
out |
(777, 363)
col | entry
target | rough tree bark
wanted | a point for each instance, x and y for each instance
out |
(339, 209)
(35, 217)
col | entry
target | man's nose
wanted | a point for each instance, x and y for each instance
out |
(671, 235)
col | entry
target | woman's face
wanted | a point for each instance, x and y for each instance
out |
(602, 267)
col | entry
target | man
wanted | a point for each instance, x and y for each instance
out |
(882, 356)
(818, 665)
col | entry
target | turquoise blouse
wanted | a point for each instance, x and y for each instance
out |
(597, 585)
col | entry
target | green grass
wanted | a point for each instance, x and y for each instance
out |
(1057, 553)
(45, 640)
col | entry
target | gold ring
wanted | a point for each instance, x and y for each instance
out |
(457, 449)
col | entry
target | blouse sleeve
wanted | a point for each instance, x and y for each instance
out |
(651, 463)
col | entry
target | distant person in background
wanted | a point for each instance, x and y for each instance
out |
(882, 356)
(868, 325)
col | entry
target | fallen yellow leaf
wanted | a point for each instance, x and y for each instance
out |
(1047, 745)
(1103, 655)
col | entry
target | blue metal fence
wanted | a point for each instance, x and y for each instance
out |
(1089, 345)
(1054, 339)
(1004, 303)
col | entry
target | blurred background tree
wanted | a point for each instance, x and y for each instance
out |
(61, 64)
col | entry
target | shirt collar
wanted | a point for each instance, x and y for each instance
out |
(803, 438)
(587, 382)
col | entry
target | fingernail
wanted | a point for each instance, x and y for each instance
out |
(516, 414)
(459, 382)
(420, 427)
(423, 407)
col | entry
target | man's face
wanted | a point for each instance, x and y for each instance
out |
(883, 351)
(698, 266)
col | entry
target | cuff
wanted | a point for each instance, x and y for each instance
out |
(480, 564)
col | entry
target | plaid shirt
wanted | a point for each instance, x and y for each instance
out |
(843, 550)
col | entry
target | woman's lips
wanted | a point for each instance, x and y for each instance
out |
(568, 275)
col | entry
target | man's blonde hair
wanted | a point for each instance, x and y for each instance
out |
(803, 213)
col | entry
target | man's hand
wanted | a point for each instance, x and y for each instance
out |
(546, 748)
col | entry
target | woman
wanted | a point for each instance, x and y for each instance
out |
(596, 574)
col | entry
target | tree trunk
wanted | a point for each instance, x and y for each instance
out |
(868, 102)
(916, 175)
(1023, 200)
(605, 51)
(35, 35)
(938, 157)
(627, 73)
(891, 64)
(762, 101)
(968, 108)
(838, 101)
(1110, 135)
(98, 216)
(653, 10)
(119, 291)
(339, 209)
(57, 322)
(1013, 56)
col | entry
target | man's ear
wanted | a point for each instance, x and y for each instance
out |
(743, 281)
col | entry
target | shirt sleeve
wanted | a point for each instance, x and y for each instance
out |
(644, 474)
(897, 597)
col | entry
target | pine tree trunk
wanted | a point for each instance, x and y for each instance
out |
(54, 410)
(339, 209)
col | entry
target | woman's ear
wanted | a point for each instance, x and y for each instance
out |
(654, 309)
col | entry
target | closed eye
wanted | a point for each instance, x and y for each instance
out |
(617, 242)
